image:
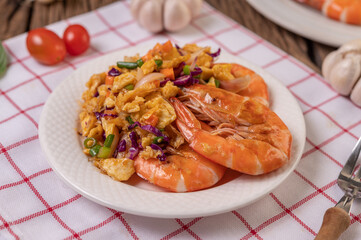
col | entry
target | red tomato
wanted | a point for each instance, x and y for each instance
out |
(45, 46)
(76, 39)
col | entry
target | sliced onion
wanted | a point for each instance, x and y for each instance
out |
(140, 74)
(194, 56)
(237, 84)
(149, 78)
(193, 65)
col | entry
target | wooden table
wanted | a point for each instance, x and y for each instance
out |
(18, 16)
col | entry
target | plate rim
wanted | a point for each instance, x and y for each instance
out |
(198, 213)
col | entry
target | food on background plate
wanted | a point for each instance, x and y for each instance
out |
(347, 11)
(178, 119)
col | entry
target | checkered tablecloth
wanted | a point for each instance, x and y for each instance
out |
(36, 204)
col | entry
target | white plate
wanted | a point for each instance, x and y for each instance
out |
(61, 144)
(307, 22)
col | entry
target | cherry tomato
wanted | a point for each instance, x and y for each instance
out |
(45, 46)
(76, 39)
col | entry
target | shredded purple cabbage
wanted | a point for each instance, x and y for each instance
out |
(216, 54)
(134, 149)
(115, 154)
(134, 139)
(179, 69)
(99, 115)
(195, 81)
(114, 72)
(148, 128)
(130, 127)
(185, 80)
(161, 157)
(196, 71)
(96, 94)
(133, 152)
(122, 146)
(164, 82)
(109, 115)
(155, 131)
(178, 49)
(103, 136)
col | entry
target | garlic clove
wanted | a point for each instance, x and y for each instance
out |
(177, 15)
(135, 5)
(354, 45)
(329, 63)
(150, 15)
(356, 93)
(195, 6)
(344, 75)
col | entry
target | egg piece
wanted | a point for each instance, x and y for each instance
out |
(119, 169)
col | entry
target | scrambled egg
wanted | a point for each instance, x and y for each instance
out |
(123, 80)
(92, 85)
(204, 60)
(162, 109)
(87, 122)
(169, 90)
(149, 67)
(96, 132)
(192, 47)
(120, 169)
(133, 106)
(148, 152)
(223, 72)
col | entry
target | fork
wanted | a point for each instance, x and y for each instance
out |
(336, 219)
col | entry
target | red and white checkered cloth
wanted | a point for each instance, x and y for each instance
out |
(36, 204)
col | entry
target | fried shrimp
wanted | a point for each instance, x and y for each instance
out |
(184, 171)
(249, 137)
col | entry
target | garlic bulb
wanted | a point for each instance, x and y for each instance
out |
(171, 15)
(342, 68)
